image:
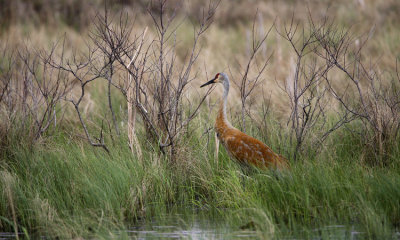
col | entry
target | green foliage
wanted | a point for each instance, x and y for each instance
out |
(66, 188)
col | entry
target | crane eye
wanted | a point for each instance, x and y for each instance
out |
(216, 76)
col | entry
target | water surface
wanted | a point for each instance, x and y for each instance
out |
(183, 226)
(211, 225)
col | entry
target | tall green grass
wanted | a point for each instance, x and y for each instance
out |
(64, 188)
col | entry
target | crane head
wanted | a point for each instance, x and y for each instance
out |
(219, 78)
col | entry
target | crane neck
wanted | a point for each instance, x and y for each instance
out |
(222, 118)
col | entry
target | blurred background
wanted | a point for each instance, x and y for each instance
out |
(78, 14)
(229, 38)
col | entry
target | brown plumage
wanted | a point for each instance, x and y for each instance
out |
(242, 147)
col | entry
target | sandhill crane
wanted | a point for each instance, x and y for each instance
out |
(242, 147)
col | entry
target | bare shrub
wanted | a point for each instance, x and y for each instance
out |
(156, 84)
(306, 88)
(368, 93)
(159, 83)
(252, 71)
(330, 70)
(7, 100)
(82, 70)
(31, 93)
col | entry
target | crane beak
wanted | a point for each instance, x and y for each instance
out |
(209, 82)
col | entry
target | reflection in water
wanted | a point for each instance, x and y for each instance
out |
(206, 225)
(7, 235)
(187, 227)
(10, 235)
(201, 226)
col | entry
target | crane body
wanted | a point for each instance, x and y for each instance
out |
(240, 146)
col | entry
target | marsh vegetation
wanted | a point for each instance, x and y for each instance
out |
(103, 124)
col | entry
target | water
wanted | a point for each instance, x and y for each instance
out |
(179, 226)
(9, 235)
(206, 225)
(203, 226)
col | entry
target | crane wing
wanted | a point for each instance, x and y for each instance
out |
(247, 149)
